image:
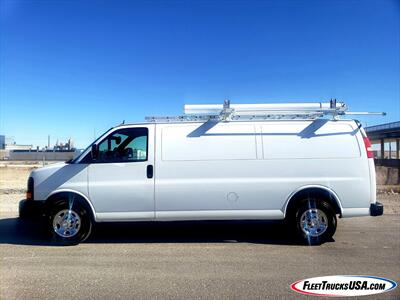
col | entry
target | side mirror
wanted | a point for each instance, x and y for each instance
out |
(95, 152)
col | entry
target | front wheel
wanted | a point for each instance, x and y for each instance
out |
(69, 225)
(315, 221)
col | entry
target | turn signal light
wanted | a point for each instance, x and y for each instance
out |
(29, 190)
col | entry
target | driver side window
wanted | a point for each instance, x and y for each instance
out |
(124, 145)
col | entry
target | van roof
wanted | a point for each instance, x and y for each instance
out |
(241, 121)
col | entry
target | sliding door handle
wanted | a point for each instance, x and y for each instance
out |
(149, 171)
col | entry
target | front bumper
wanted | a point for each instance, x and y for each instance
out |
(376, 209)
(31, 209)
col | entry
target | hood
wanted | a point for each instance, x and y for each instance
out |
(46, 171)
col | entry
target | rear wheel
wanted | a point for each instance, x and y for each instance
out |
(69, 224)
(314, 221)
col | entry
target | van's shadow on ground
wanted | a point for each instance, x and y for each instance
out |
(28, 232)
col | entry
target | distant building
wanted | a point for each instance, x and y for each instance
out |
(2, 142)
(385, 139)
(8, 143)
(68, 146)
(18, 147)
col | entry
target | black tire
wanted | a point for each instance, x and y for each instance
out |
(77, 211)
(314, 235)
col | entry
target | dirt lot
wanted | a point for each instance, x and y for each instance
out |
(13, 180)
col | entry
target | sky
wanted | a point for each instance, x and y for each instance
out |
(76, 68)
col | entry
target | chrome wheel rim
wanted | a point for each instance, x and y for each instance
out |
(313, 222)
(66, 223)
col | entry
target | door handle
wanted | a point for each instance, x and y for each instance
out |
(149, 171)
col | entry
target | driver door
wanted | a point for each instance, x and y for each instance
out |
(120, 179)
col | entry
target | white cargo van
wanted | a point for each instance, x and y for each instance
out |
(266, 162)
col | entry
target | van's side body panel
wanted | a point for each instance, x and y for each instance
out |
(224, 171)
(216, 171)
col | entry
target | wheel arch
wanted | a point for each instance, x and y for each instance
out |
(313, 190)
(66, 193)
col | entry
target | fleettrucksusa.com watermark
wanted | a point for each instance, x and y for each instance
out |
(343, 285)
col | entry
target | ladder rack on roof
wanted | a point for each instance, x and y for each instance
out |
(258, 112)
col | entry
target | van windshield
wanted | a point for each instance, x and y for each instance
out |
(74, 160)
